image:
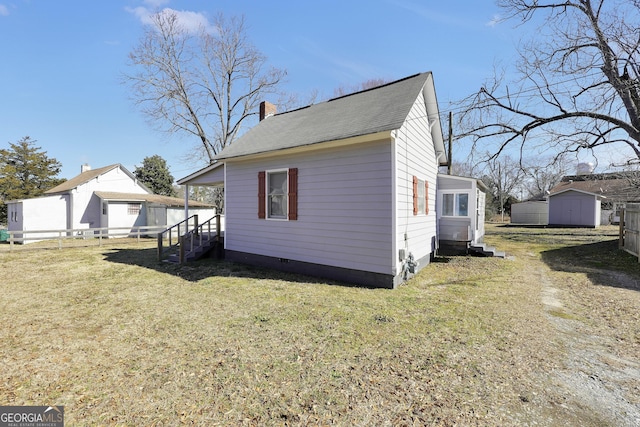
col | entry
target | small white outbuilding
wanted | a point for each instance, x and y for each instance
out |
(531, 212)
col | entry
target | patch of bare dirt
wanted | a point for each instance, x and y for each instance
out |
(596, 376)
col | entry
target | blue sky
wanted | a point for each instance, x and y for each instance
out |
(62, 62)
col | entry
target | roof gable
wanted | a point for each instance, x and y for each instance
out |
(384, 108)
(87, 176)
(576, 190)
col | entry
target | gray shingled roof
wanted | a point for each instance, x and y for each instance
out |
(380, 109)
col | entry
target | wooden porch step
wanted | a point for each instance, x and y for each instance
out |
(209, 243)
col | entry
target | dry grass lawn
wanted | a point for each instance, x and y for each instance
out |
(120, 339)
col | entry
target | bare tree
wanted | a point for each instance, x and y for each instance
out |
(464, 168)
(579, 84)
(542, 175)
(504, 177)
(205, 83)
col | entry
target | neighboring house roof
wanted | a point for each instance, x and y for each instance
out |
(380, 109)
(617, 186)
(87, 176)
(540, 197)
(150, 198)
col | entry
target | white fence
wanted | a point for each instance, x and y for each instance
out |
(31, 236)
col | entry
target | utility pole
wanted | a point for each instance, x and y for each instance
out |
(450, 142)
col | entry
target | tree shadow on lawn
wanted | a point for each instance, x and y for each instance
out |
(205, 267)
(602, 262)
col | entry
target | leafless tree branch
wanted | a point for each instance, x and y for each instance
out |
(205, 84)
(579, 85)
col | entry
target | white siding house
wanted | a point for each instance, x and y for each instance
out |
(343, 189)
(106, 197)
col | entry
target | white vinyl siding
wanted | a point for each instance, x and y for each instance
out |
(415, 156)
(344, 208)
(123, 214)
(87, 208)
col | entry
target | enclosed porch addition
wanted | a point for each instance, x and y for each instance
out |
(460, 208)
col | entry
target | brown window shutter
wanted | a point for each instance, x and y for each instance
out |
(262, 178)
(415, 195)
(426, 197)
(293, 194)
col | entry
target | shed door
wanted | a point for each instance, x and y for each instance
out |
(572, 211)
(156, 215)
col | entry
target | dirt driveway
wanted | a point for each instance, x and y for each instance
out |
(594, 308)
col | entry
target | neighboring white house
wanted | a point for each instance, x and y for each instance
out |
(461, 205)
(106, 197)
(344, 189)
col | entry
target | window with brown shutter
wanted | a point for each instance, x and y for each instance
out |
(278, 194)
(293, 194)
(262, 211)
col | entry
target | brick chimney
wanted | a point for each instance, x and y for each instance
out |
(267, 109)
(85, 167)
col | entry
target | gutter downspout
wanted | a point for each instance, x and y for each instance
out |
(435, 204)
(397, 264)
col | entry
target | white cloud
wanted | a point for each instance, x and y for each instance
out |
(494, 21)
(190, 21)
(4, 10)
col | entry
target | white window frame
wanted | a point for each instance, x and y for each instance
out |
(422, 197)
(285, 196)
(456, 203)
